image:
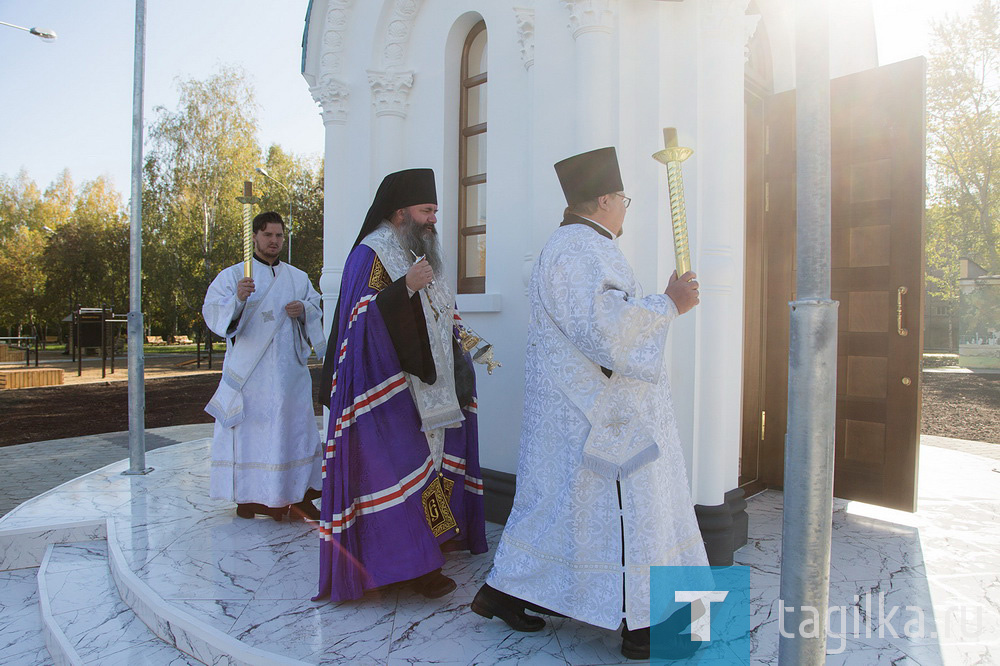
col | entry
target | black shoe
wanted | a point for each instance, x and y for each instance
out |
(490, 602)
(303, 510)
(669, 646)
(635, 643)
(252, 509)
(434, 584)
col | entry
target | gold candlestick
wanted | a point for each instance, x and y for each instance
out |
(672, 155)
(248, 200)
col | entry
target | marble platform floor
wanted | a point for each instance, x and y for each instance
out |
(251, 580)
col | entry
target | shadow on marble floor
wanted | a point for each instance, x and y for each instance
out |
(252, 579)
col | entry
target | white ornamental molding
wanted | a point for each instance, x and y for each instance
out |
(751, 21)
(724, 19)
(390, 91)
(397, 33)
(591, 15)
(332, 95)
(526, 34)
(338, 18)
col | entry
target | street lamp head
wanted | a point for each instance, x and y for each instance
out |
(263, 172)
(48, 36)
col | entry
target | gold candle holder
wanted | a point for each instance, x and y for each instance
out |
(248, 200)
(671, 156)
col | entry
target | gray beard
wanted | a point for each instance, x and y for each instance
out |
(419, 239)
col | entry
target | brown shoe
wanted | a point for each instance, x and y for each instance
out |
(490, 602)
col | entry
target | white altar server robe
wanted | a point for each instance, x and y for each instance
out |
(267, 449)
(562, 547)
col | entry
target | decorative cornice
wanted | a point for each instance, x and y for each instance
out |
(397, 33)
(723, 19)
(591, 15)
(332, 95)
(338, 17)
(331, 92)
(750, 23)
(526, 34)
(390, 91)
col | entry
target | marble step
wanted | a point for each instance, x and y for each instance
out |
(85, 621)
(21, 641)
(174, 624)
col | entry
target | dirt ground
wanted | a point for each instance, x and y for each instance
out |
(959, 405)
(91, 406)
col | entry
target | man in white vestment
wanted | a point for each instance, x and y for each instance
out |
(602, 490)
(267, 449)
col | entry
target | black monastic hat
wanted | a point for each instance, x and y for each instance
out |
(589, 175)
(409, 187)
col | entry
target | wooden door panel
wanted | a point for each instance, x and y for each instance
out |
(877, 130)
(877, 142)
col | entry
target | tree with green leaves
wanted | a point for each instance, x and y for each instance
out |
(87, 257)
(963, 122)
(201, 152)
(304, 179)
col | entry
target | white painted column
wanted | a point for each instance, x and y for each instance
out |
(332, 95)
(390, 90)
(718, 238)
(534, 236)
(592, 23)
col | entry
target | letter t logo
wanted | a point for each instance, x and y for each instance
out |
(701, 625)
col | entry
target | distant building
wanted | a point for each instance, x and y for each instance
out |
(979, 343)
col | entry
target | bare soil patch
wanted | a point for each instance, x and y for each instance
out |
(75, 410)
(959, 405)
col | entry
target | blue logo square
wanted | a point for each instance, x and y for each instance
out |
(701, 615)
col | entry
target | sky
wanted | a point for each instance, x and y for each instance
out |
(68, 104)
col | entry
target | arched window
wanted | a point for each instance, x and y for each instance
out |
(472, 165)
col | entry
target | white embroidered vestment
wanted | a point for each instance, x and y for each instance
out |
(562, 545)
(266, 447)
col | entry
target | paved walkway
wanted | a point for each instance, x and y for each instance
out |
(28, 470)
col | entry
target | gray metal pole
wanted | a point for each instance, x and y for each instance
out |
(136, 358)
(812, 359)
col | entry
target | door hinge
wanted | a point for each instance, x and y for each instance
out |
(767, 197)
(763, 424)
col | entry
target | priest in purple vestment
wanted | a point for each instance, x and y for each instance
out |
(401, 476)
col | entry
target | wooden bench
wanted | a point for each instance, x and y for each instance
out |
(29, 377)
(154, 340)
(183, 340)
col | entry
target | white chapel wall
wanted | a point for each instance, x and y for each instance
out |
(669, 63)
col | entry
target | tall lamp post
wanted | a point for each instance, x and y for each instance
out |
(47, 36)
(264, 173)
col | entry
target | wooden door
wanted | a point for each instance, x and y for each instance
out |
(754, 417)
(877, 122)
(877, 204)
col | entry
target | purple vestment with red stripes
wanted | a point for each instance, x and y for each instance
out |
(377, 462)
